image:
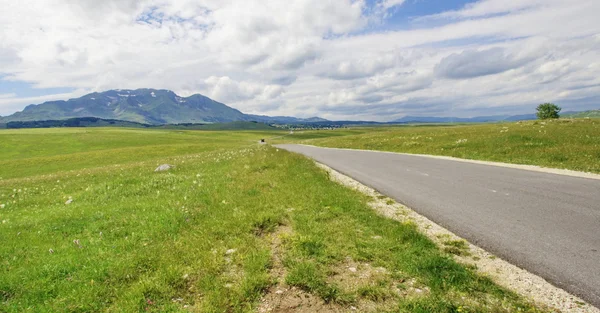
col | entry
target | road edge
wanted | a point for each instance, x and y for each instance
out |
(503, 273)
(533, 168)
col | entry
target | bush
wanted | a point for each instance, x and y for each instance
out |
(547, 110)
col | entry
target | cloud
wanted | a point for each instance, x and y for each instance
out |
(491, 7)
(9, 103)
(363, 67)
(227, 90)
(256, 31)
(309, 57)
(473, 63)
(284, 80)
(387, 4)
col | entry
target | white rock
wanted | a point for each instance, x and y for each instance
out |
(163, 167)
(69, 201)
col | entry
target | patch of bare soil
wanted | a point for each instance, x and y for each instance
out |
(283, 298)
(501, 272)
(376, 288)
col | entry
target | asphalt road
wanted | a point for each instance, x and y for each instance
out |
(546, 223)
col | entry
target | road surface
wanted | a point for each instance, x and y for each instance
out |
(546, 223)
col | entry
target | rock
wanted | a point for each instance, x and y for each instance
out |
(69, 201)
(230, 251)
(163, 167)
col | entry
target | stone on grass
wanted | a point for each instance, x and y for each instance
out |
(163, 167)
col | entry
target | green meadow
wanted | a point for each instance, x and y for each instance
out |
(572, 144)
(87, 225)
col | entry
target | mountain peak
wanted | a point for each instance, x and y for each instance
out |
(144, 105)
(150, 106)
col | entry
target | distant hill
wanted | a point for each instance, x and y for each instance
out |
(491, 118)
(221, 126)
(285, 119)
(73, 122)
(146, 106)
(590, 114)
(164, 107)
(478, 119)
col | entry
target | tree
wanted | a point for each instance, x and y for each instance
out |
(547, 110)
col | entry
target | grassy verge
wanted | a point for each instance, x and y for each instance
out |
(115, 236)
(568, 144)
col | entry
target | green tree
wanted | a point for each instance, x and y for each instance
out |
(548, 110)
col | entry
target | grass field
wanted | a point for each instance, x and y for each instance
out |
(567, 143)
(88, 226)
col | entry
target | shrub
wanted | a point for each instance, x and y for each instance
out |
(547, 110)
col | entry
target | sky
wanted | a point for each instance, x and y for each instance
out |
(337, 59)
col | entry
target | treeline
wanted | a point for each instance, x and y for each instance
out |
(100, 122)
(73, 122)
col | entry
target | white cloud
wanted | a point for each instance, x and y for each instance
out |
(227, 90)
(9, 103)
(472, 63)
(309, 57)
(352, 68)
(387, 4)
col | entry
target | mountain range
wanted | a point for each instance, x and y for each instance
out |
(477, 119)
(147, 106)
(159, 107)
